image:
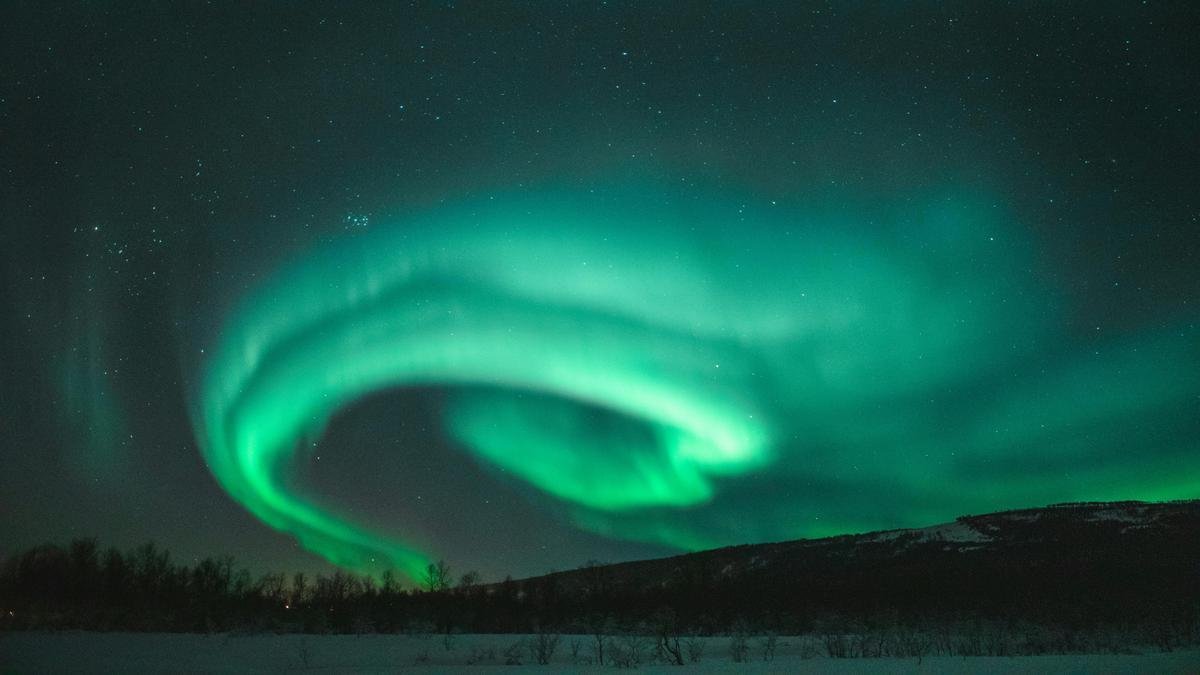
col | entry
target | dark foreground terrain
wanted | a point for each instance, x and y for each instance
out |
(1075, 578)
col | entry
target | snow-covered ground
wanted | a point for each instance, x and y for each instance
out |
(79, 652)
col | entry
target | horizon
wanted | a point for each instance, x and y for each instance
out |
(414, 584)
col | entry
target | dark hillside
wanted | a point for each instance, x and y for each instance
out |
(1127, 568)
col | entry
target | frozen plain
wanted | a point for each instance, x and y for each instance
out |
(88, 652)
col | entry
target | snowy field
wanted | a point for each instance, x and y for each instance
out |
(79, 652)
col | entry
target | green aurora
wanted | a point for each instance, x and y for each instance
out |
(656, 362)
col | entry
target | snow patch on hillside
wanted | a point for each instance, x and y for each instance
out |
(957, 532)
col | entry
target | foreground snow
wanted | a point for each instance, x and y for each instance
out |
(79, 652)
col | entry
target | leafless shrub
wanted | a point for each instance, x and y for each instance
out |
(576, 645)
(601, 647)
(695, 648)
(542, 647)
(739, 642)
(514, 653)
(996, 642)
(942, 641)
(629, 651)
(837, 645)
(808, 647)
(913, 644)
(600, 627)
(969, 644)
(768, 646)
(871, 645)
(667, 649)
(481, 655)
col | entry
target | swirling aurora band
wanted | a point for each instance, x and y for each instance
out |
(645, 357)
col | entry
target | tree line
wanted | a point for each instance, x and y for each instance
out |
(83, 586)
(862, 603)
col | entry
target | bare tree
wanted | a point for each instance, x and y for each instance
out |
(391, 584)
(596, 578)
(436, 577)
(273, 587)
(468, 581)
(665, 629)
(600, 627)
(299, 589)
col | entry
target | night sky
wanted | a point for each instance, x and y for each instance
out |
(520, 285)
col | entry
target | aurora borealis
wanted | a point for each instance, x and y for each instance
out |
(393, 285)
(625, 352)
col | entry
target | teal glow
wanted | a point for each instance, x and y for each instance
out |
(698, 371)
